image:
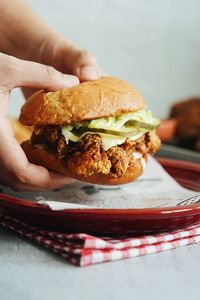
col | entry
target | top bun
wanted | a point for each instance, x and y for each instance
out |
(100, 98)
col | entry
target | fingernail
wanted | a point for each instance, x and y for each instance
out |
(89, 72)
(71, 80)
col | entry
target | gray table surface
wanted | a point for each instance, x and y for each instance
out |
(29, 272)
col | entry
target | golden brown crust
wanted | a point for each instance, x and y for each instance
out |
(107, 96)
(44, 157)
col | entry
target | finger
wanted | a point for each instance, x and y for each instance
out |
(84, 65)
(9, 180)
(21, 73)
(15, 162)
(25, 187)
(88, 72)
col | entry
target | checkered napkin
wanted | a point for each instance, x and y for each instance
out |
(82, 249)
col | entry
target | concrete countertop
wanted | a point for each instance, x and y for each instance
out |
(28, 271)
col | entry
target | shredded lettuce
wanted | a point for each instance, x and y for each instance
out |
(119, 122)
(116, 124)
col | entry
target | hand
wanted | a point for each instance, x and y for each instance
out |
(66, 57)
(15, 170)
(40, 43)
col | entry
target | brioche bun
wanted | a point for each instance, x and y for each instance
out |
(100, 98)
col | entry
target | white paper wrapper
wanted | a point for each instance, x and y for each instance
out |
(155, 188)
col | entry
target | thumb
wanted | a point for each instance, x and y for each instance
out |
(21, 73)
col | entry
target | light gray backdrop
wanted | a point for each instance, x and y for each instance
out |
(153, 44)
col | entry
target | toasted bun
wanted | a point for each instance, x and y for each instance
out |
(89, 100)
(39, 155)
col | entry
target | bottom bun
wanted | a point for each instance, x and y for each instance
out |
(41, 155)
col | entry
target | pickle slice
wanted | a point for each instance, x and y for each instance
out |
(116, 132)
(143, 124)
(80, 131)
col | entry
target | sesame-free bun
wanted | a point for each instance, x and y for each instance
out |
(40, 155)
(107, 96)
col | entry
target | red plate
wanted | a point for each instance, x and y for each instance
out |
(114, 221)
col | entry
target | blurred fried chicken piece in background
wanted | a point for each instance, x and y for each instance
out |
(187, 115)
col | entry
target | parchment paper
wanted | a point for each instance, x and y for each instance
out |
(155, 188)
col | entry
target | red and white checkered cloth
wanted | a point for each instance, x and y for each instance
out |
(83, 249)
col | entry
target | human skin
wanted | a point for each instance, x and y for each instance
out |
(26, 36)
(30, 53)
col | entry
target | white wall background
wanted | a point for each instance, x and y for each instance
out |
(153, 44)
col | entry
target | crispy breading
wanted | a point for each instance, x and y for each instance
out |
(88, 157)
(152, 142)
(119, 160)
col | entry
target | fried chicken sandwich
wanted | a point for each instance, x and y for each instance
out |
(97, 131)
